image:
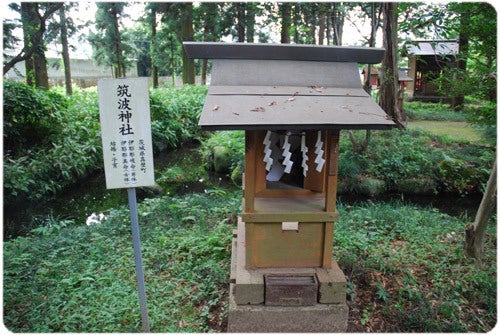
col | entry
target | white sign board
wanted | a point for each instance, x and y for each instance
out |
(126, 132)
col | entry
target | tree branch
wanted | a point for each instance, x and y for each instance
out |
(35, 40)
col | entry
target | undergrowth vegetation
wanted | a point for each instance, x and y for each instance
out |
(82, 278)
(402, 157)
(408, 161)
(405, 266)
(72, 148)
(407, 271)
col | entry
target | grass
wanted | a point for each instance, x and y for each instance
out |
(407, 271)
(417, 110)
(68, 278)
(459, 131)
(405, 266)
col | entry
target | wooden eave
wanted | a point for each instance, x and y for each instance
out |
(287, 87)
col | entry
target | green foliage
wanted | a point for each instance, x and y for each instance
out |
(391, 156)
(372, 187)
(67, 278)
(484, 115)
(109, 45)
(398, 158)
(417, 110)
(457, 175)
(31, 117)
(174, 115)
(75, 150)
(82, 278)
(232, 141)
(413, 262)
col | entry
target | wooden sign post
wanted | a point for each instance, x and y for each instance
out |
(128, 153)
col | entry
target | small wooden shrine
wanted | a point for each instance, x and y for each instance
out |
(292, 101)
(426, 61)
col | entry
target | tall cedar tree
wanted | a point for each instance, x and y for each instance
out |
(389, 83)
(33, 17)
(34, 26)
(107, 43)
(65, 49)
(187, 34)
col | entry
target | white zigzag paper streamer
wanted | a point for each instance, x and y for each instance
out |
(287, 154)
(267, 151)
(319, 152)
(304, 150)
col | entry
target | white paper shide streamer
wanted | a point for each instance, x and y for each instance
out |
(267, 151)
(303, 149)
(287, 154)
(320, 161)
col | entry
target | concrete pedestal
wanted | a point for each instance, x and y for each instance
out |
(320, 318)
(247, 309)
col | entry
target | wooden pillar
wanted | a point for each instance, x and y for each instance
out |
(249, 182)
(332, 167)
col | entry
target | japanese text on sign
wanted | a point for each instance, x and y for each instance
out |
(126, 132)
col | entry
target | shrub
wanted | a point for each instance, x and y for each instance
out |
(31, 117)
(371, 186)
(403, 160)
(174, 115)
(233, 143)
(72, 152)
(457, 176)
(417, 110)
(75, 149)
(395, 155)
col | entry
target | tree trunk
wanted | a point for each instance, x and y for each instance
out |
(36, 64)
(463, 50)
(40, 66)
(33, 33)
(28, 18)
(240, 16)
(204, 65)
(65, 51)
(389, 84)
(286, 22)
(39, 60)
(337, 18)
(296, 23)
(154, 69)
(321, 24)
(371, 43)
(172, 57)
(250, 22)
(120, 64)
(474, 232)
(187, 35)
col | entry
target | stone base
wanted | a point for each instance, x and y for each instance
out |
(320, 318)
(249, 313)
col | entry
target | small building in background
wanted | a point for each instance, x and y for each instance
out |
(403, 80)
(374, 76)
(426, 62)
